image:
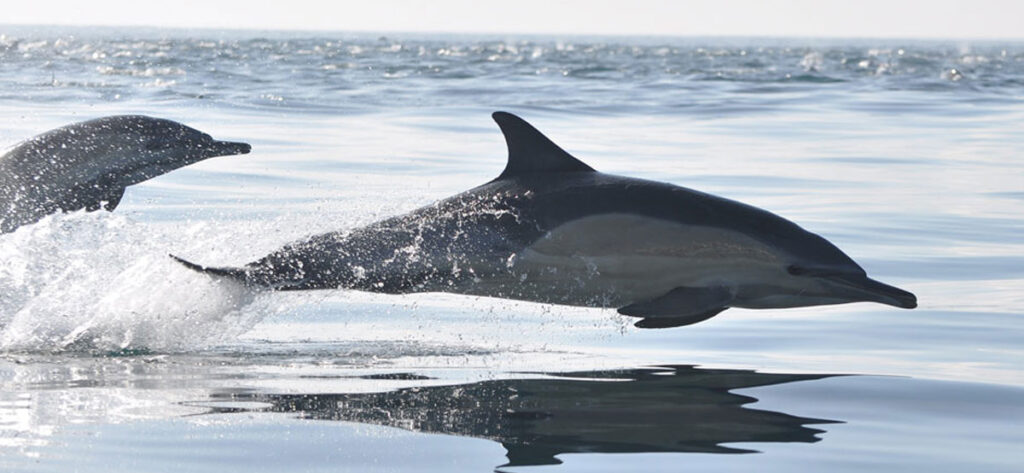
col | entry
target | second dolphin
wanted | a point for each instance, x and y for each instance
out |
(87, 165)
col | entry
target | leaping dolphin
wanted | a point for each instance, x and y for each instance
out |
(551, 229)
(87, 165)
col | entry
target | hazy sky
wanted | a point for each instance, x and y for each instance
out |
(845, 18)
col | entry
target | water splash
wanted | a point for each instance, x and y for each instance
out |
(102, 282)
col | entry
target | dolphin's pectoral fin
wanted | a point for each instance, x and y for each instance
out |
(666, 322)
(93, 199)
(112, 199)
(680, 306)
(681, 302)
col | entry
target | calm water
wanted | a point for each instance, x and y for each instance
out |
(905, 154)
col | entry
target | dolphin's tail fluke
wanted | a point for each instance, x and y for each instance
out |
(238, 274)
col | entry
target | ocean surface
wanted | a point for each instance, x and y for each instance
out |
(909, 155)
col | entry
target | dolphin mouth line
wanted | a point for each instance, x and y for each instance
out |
(227, 148)
(875, 291)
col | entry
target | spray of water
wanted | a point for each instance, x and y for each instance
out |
(103, 282)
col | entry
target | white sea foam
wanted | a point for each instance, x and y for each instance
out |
(101, 281)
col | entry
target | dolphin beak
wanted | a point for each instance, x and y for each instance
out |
(867, 289)
(227, 148)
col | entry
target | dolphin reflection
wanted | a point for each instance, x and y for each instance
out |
(658, 409)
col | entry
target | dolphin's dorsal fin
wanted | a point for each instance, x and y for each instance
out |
(530, 152)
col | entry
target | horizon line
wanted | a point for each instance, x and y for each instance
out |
(1018, 39)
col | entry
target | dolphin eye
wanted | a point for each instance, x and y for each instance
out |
(796, 270)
